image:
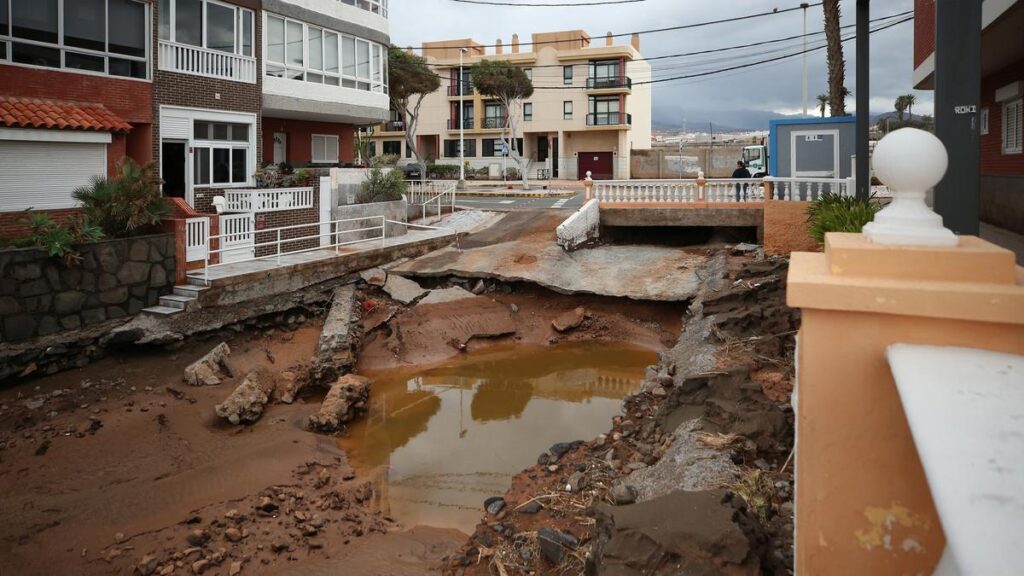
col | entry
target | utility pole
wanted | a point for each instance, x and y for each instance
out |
(462, 122)
(863, 174)
(805, 5)
(957, 97)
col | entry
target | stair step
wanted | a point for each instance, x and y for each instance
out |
(189, 291)
(176, 301)
(162, 310)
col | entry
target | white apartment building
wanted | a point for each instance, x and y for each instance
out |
(590, 108)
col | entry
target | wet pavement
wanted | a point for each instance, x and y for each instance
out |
(440, 441)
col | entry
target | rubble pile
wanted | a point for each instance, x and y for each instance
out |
(347, 399)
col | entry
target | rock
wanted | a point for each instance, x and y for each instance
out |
(374, 276)
(289, 384)
(744, 248)
(575, 483)
(266, 504)
(198, 537)
(513, 308)
(622, 494)
(560, 449)
(453, 294)
(235, 569)
(147, 565)
(35, 404)
(479, 287)
(278, 546)
(233, 534)
(246, 403)
(554, 545)
(532, 508)
(207, 371)
(494, 505)
(570, 320)
(346, 400)
(200, 566)
(403, 290)
(658, 392)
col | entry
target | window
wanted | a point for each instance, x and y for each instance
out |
(97, 36)
(1012, 127)
(220, 153)
(393, 147)
(494, 147)
(376, 6)
(300, 51)
(983, 121)
(527, 111)
(529, 73)
(207, 24)
(604, 111)
(567, 75)
(451, 148)
(494, 115)
(567, 110)
(325, 149)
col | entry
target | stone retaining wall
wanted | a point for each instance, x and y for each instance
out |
(39, 295)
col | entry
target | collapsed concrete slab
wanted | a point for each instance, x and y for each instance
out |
(453, 294)
(245, 405)
(208, 370)
(339, 340)
(403, 290)
(374, 276)
(347, 400)
(689, 464)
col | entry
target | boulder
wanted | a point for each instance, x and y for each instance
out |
(290, 383)
(346, 400)
(622, 494)
(246, 403)
(208, 370)
(374, 276)
(569, 321)
(554, 545)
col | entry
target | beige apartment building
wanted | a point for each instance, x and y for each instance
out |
(590, 108)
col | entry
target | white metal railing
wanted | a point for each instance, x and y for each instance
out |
(197, 232)
(205, 62)
(679, 191)
(809, 189)
(374, 231)
(268, 199)
(433, 194)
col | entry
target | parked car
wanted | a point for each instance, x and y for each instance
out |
(412, 172)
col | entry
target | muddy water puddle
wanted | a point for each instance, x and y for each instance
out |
(439, 441)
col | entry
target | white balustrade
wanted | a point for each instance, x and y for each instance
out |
(205, 62)
(268, 199)
(197, 233)
(678, 191)
(809, 189)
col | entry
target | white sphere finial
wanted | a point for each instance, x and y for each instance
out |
(910, 162)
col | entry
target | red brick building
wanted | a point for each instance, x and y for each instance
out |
(1002, 91)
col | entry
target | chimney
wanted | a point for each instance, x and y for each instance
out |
(515, 43)
(498, 47)
(608, 39)
(636, 42)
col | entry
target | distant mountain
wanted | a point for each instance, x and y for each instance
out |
(740, 120)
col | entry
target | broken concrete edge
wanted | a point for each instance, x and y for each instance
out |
(347, 400)
(246, 403)
(207, 370)
(339, 341)
(581, 228)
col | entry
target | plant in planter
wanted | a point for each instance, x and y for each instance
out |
(127, 204)
(835, 213)
(59, 240)
(382, 186)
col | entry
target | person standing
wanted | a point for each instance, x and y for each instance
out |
(740, 172)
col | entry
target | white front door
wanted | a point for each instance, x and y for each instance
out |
(280, 147)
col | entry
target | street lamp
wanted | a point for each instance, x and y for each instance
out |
(462, 123)
(805, 5)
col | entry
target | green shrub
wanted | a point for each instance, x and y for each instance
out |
(835, 213)
(442, 171)
(384, 160)
(59, 240)
(127, 204)
(382, 186)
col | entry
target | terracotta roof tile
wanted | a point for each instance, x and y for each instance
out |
(44, 113)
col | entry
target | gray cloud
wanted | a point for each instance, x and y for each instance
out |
(743, 98)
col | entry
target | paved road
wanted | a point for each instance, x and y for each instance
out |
(512, 203)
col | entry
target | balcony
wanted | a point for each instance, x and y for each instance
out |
(467, 90)
(453, 124)
(196, 61)
(495, 122)
(393, 126)
(611, 83)
(609, 119)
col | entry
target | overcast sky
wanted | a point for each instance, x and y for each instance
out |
(743, 98)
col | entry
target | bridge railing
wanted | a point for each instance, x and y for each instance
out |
(679, 191)
(808, 189)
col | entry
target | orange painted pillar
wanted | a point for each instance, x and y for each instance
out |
(862, 501)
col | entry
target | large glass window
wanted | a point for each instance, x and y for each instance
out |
(208, 24)
(188, 22)
(220, 153)
(101, 36)
(300, 51)
(220, 28)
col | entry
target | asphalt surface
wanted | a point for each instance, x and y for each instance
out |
(512, 203)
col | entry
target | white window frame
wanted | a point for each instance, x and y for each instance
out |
(239, 19)
(7, 38)
(567, 80)
(326, 138)
(567, 110)
(983, 121)
(375, 81)
(527, 111)
(1013, 111)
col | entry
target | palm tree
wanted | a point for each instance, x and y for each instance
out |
(834, 56)
(901, 107)
(822, 103)
(910, 99)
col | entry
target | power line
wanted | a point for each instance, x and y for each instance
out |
(563, 5)
(652, 31)
(714, 50)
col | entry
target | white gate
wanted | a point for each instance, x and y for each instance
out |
(197, 237)
(238, 237)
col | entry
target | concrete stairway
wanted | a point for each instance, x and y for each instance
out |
(184, 297)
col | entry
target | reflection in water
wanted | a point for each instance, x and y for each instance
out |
(438, 442)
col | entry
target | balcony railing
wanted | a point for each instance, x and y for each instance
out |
(609, 119)
(394, 126)
(376, 6)
(453, 124)
(209, 63)
(467, 89)
(609, 82)
(495, 122)
(268, 199)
